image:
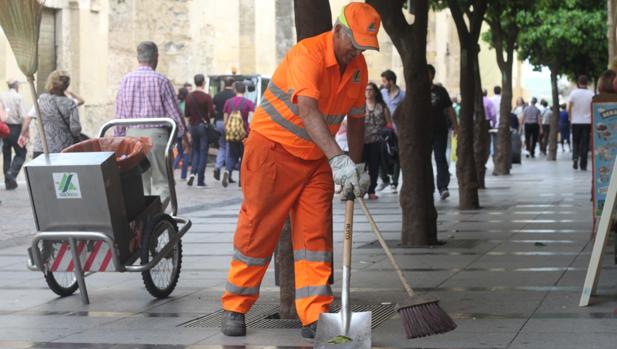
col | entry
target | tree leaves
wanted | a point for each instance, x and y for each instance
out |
(570, 37)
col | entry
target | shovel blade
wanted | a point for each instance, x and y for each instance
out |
(331, 325)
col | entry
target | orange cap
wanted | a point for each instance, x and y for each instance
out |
(363, 22)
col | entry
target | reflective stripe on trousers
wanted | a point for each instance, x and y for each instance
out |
(276, 185)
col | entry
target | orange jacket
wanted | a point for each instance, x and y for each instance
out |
(310, 69)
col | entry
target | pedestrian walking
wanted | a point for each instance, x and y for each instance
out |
(533, 122)
(200, 111)
(377, 118)
(60, 116)
(491, 117)
(441, 113)
(390, 168)
(579, 111)
(146, 93)
(564, 128)
(183, 155)
(546, 115)
(237, 111)
(290, 160)
(17, 121)
(219, 104)
(496, 99)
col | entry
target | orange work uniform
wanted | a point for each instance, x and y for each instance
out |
(284, 173)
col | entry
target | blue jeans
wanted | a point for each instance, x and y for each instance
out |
(199, 133)
(181, 156)
(221, 155)
(234, 155)
(440, 143)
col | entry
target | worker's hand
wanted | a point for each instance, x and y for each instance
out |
(364, 180)
(344, 172)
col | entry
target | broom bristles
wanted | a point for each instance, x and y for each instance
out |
(425, 319)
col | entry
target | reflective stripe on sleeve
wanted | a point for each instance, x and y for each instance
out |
(250, 261)
(334, 119)
(311, 291)
(357, 111)
(231, 288)
(312, 256)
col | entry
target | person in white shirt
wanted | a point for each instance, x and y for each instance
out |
(579, 112)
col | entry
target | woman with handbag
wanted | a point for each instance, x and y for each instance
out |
(60, 115)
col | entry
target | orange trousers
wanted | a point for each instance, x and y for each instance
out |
(276, 185)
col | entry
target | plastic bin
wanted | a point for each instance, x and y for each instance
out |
(131, 161)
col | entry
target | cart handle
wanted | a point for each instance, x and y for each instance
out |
(35, 263)
(172, 138)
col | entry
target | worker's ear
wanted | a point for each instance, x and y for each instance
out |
(337, 30)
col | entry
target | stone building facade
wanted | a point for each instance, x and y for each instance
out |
(95, 41)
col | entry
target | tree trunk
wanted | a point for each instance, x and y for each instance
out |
(612, 34)
(285, 262)
(414, 128)
(465, 163)
(554, 122)
(311, 18)
(468, 30)
(503, 156)
(480, 142)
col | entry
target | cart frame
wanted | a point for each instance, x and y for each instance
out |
(35, 262)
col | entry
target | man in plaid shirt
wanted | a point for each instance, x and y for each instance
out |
(145, 93)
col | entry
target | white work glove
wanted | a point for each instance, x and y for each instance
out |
(364, 180)
(347, 174)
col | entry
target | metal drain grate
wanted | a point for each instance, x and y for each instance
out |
(266, 316)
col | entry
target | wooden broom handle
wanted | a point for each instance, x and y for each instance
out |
(385, 247)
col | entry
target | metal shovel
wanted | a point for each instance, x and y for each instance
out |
(356, 326)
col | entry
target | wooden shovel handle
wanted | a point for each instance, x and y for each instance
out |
(385, 247)
(348, 233)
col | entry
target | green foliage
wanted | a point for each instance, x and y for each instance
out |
(570, 38)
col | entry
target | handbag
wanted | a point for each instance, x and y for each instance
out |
(213, 134)
(5, 131)
(76, 139)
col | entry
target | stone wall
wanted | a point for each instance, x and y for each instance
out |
(97, 39)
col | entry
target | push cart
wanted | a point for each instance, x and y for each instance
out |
(92, 216)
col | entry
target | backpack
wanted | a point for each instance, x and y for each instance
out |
(234, 130)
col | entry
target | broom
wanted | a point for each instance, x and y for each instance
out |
(422, 316)
(21, 20)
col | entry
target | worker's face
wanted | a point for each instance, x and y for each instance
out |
(344, 50)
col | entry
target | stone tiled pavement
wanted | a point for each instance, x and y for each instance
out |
(510, 275)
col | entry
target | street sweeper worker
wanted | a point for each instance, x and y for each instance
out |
(291, 162)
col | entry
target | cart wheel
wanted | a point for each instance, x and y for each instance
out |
(61, 283)
(161, 280)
